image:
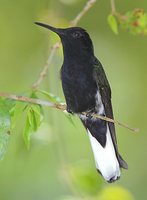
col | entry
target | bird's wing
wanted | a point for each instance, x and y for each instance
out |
(105, 92)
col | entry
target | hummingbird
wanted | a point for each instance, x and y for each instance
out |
(87, 90)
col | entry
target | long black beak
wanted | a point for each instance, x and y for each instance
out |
(59, 31)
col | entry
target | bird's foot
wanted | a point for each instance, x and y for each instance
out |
(90, 113)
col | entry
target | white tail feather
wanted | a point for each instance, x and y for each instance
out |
(105, 157)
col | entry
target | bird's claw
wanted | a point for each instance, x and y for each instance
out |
(90, 114)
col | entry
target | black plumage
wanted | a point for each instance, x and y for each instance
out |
(86, 89)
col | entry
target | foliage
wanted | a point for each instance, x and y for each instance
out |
(113, 23)
(33, 122)
(5, 124)
(135, 22)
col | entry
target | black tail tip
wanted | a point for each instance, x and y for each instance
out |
(113, 179)
(122, 163)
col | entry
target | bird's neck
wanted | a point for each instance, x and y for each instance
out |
(78, 55)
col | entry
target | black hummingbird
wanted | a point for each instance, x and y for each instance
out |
(86, 89)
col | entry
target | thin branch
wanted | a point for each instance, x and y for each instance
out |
(60, 107)
(88, 5)
(74, 22)
(116, 122)
(113, 8)
(33, 101)
(43, 73)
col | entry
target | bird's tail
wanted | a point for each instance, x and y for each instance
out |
(105, 154)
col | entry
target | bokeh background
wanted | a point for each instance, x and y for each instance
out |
(59, 164)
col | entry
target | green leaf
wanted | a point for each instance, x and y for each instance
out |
(5, 124)
(142, 21)
(7, 103)
(4, 139)
(33, 122)
(37, 116)
(113, 23)
(27, 133)
(4, 117)
(52, 98)
(16, 112)
(33, 95)
(135, 22)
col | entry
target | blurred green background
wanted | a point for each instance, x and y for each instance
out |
(60, 163)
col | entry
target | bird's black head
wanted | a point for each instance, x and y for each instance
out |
(75, 40)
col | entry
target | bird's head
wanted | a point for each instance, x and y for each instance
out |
(72, 38)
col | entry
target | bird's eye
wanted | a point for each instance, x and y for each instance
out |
(76, 34)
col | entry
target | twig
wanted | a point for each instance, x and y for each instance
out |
(88, 5)
(26, 99)
(59, 107)
(46, 66)
(113, 8)
(74, 22)
(117, 122)
(33, 101)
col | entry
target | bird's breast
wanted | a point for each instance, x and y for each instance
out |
(79, 88)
